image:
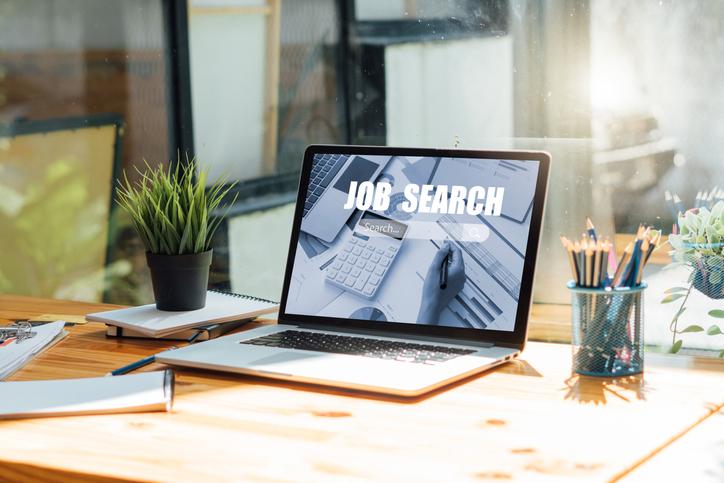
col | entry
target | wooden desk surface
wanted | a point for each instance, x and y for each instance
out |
(528, 419)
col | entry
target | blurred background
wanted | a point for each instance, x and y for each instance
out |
(627, 96)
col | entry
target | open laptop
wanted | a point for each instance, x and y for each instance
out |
(427, 281)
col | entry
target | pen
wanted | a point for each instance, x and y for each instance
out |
(443, 271)
(217, 330)
(135, 365)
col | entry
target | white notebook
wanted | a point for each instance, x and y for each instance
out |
(147, 391)
(220, 307)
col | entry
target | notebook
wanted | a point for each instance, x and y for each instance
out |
(147, 391)
(220, 307)
(14, 355)
(197, 334)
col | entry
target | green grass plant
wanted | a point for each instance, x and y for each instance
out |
(172, 209)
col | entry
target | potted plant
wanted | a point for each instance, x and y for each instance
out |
(699, 245)
(173, 212)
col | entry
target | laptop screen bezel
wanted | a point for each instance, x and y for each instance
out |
(515, 338)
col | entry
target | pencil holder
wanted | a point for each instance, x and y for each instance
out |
(608, 330)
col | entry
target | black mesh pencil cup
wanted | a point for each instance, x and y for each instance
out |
(608, 330)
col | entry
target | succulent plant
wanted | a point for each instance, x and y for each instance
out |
(699, 245)
(701, 233)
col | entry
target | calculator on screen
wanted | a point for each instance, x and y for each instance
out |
(365, 259)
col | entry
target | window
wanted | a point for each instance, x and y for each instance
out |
(583, 80)
(626, 96)
(67, 66)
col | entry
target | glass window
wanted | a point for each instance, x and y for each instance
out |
(584, 80)
(272, 86)
(624, 95)
(67, 66)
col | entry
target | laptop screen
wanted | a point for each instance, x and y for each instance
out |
(414, 240)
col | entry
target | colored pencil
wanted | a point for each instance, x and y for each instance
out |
(598, 252)
(591, 229)
(622, 263)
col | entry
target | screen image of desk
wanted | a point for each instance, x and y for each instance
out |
(485, 280)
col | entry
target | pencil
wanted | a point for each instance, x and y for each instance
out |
(571, 258)
(574, 265)
(591, 229)
(670, 203)
(655, 239)
(604, 262)
(678, 204)
(629, 279)
(589, 264)
(597, 264)
(642, 260)
(622, 263)
(579, 261)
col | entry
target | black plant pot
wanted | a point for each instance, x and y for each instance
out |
(180, 281)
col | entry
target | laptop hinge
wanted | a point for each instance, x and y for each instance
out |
(399, 335)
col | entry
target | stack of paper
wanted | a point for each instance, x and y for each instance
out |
(14, 355)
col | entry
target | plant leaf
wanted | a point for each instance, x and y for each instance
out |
(719, 314)
(679, 313)
(676, 347)
(676, 289)
(171, 207)
(671, 297)
(693, 328)
(714, 330)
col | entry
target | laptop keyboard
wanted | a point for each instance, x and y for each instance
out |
(359, 346)
(324, 169)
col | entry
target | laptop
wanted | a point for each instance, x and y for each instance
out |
(427, 280)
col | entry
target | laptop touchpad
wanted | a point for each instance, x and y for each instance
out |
(284, 357)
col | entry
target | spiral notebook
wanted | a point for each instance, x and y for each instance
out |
(220, 307)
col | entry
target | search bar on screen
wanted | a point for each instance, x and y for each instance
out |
(462, 232)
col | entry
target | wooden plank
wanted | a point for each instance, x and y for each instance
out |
(527, 419)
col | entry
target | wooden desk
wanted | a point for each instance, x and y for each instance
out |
(528, 419)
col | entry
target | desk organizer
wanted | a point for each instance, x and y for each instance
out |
(608, 332)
